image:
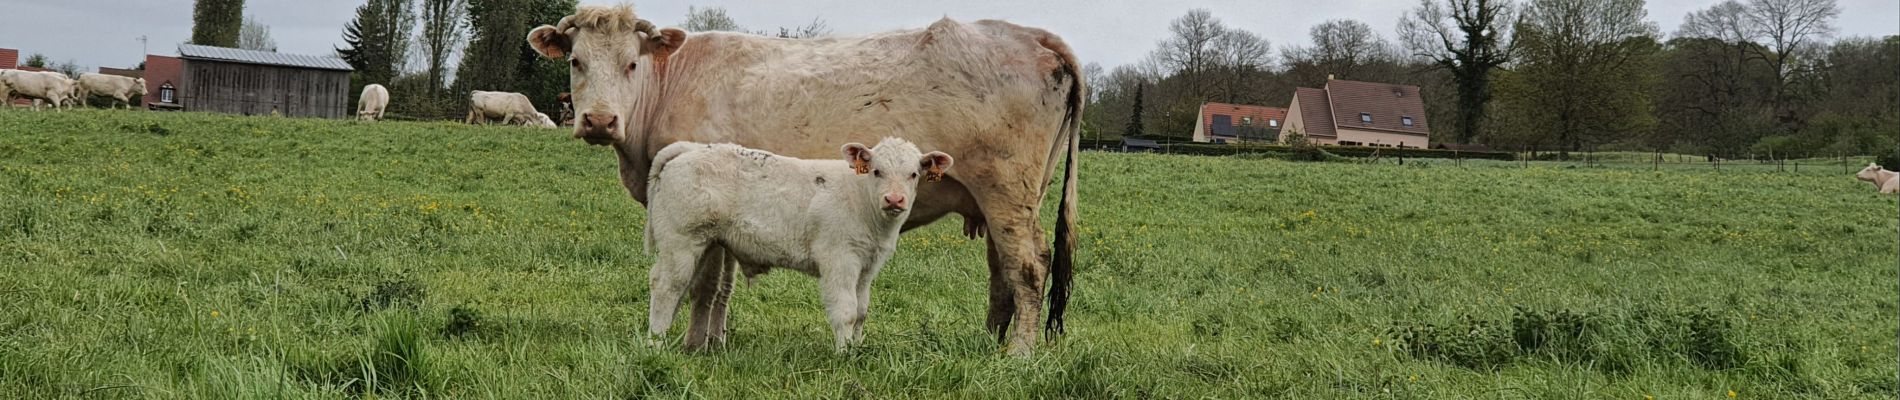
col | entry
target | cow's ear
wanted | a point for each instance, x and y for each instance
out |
(934, 165)
(859, 157)
(551, 42)
(668, 40)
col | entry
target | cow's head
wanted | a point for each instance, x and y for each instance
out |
(139, 85)
(611, 56)
(891, 171)
(1870, 174)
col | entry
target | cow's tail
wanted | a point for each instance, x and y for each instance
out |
(666, 155)
(1062, 267)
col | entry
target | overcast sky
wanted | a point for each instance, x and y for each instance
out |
(1111, 32)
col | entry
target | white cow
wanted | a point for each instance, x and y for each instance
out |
(375, 98)
(543, 121)
(119, 88)
(52, 87)
(1887, 181)
(507, 107)
(836, 220)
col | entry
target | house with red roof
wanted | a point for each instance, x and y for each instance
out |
(1353, 113)
(1235, 123)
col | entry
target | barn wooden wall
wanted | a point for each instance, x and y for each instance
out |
(251, 89)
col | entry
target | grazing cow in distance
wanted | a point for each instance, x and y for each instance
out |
(119, 88)
(370, 106)
(53, 87)
(836, 220)
(1886, 181)
(508, 107)
(1005, 98)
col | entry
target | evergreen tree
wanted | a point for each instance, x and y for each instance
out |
(217, 22)
(1134, 119)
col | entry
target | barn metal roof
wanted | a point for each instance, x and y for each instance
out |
(192, 51)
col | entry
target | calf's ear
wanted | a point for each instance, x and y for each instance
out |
(859, 157)
(934, 165)
(551, 42)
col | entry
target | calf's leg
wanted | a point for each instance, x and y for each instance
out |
(705, 296)
(837, 285)
(667, 282)
(722, 297)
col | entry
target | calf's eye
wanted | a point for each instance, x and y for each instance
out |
(578, 66)
(913, 175)
(877, 173)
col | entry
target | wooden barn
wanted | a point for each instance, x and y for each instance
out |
(249, 82)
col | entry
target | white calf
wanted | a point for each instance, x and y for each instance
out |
(836, 220)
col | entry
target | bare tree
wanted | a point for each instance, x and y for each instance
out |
(1726, 21)
(1240, 57)
(255, 35)
(816, 28)
(444, 27)
(1189, 51)
(709, 19)
(1470, 38)
(1341, 47)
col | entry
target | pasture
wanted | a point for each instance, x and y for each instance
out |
(186, 255)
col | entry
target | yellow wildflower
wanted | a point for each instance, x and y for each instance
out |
(1731, 394)
(1376, 342)
(215, 314)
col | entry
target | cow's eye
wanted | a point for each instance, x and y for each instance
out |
(877, 173)
(913, 175)
(632, 66)
(578, 66)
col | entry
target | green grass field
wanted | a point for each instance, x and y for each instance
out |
(168, 255)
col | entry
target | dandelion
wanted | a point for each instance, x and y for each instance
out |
(215, 314)
(1376, 342)
(1649, 397)
(1731, 394)
(1415, 379)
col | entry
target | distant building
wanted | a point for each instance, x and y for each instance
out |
(129, 73)
(249, 82)
(1235, 123)
(1140, 146)
(163, 76)
(1352, 113)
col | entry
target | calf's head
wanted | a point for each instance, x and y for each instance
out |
(1870, 174)
(889, 173)
(612, 57)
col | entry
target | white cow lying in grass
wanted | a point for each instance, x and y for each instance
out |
(836, 220)
(1887, 181)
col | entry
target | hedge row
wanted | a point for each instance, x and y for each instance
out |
(1208, 149)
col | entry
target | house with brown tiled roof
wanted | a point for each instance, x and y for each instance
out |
(1235, 123)
(1353, 113)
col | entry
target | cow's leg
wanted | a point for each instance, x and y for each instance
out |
(1002, 296)
(705, 294)
(667, 281)
(1016, 237)
(837, 284)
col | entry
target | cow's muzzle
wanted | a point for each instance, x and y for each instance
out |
(598, 129)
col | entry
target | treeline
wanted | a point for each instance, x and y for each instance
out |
(413, 47)
(1760, 78)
